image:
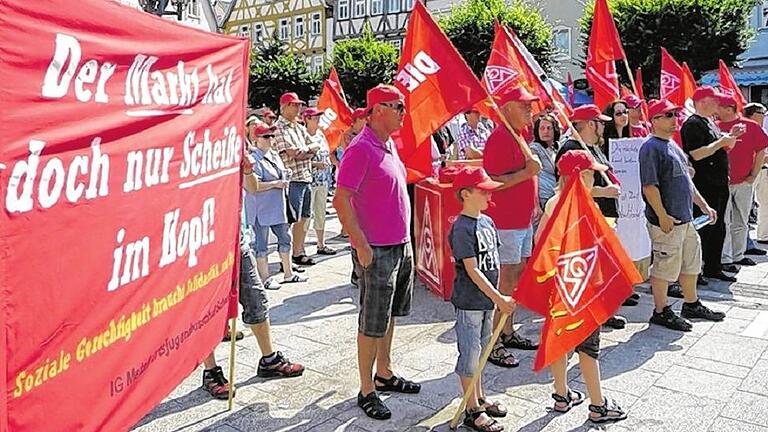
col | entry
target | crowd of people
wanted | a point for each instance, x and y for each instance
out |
(699, 194)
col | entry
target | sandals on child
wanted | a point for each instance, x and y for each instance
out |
(396, 384)
(295, 279)
(574, 398)
(609, 411)
(489, 425)
(493, 409)
(373, 407)
(501, 357)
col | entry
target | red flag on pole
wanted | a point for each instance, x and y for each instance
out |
(670, 85)
(437, 84)
(728, 86)
(639, 83)
(578, 277)
(337, 116)
(571, 90)
(604, 49)
(333, 77)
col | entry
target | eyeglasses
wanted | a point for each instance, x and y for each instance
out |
(400, 107)
(266, 136)
(619, 113)
(669, 115)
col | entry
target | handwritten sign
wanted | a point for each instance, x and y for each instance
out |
(631, 227)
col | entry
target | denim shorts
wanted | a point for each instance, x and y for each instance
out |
(516, 244)
(261, 239)
(300, 199)
(473, 332)
(386, 287)
(252, 295)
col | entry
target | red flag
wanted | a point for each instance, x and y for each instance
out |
(639, 83)
(578, 277)
(671, 83)
(129, 177)
(604, 49)
(728, 86)
(437, 84)
(337, 116)
(333, 77)
(571, 90)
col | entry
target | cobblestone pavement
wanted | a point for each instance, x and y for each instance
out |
(712, 379)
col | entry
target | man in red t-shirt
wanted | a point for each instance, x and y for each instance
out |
(516, 200)
(744, 163)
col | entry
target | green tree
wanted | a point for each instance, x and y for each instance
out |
(470, 26)
(362, 63)
(275, 71)
(698, 32)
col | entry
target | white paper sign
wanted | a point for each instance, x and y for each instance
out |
(631, 228)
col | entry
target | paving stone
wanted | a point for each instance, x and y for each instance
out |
(727, 369)
(654, 348)
(757, 380)
(729, 348)
(743, 313)
(662, 410)
(631, 381)
(727, 425)
(747, 407)
(690, 381)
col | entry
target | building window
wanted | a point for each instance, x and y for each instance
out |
(316, 24)
(343, 9)
(193, 9)
(245, 31)
(562, 42)
(317, 64)
(407, 5)
(377, 7)
(298, 27)
(764, 14)
(258, 32)
(397, 43)
(359, 8)
(393, 5)
(284, 29)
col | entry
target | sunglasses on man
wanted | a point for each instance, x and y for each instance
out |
(669, 115)
(399, 107)
(266, 136)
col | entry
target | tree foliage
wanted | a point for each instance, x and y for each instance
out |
(698, 32)
(362, 63)
(274, 71)
(470, 26)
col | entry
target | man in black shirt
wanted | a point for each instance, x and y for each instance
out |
(706, 147)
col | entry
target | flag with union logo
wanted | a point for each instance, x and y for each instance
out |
(578, 276)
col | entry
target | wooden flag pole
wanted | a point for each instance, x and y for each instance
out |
(232, 340)
(631, 77)
(479, 371)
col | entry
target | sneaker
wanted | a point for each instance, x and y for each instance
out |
(667, 318)
(721, 276)
(698, 310)
(279, 367)
(755, 251)
(701, 280)
(215, 383)
(616, 322)
(730, 268)
(514, 340)
(675, 290)
(746, 262)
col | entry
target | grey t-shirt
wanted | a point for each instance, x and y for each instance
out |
(477, 238)
(664, 165)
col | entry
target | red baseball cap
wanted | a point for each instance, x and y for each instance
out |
(311, 112)
(359, 113)
(264, 129)
(289, 98)
(727, 100)
(657, 107)
(588, 112)
(381, 94)
(474, 177)
(575, 161)
(268, 113)
(704, 92)
(633, 102)
(515, 94)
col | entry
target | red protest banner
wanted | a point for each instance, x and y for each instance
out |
(120, 186)
(337, 117)
(728, 86)
(604, 49)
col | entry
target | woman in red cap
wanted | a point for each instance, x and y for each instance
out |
(601, 410)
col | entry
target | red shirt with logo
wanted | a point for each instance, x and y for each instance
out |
(514, 206)
(742, 157)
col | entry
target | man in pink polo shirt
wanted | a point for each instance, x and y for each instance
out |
(516, 202)
(372, 204)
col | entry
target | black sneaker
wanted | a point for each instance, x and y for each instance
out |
(721, 276)
(215, 383)
(667, 318)
(746, 262)
(616, 322)
(698, 310)
(675, 290)
(755, 251)
(730, 268)
(514, 340)
(701, 280)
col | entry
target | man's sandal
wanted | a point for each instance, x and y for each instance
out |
(493, 409)
(489, 425)
(501, 357)
(609, 411)
(564, 404)
(373, 407)
(396, 384)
